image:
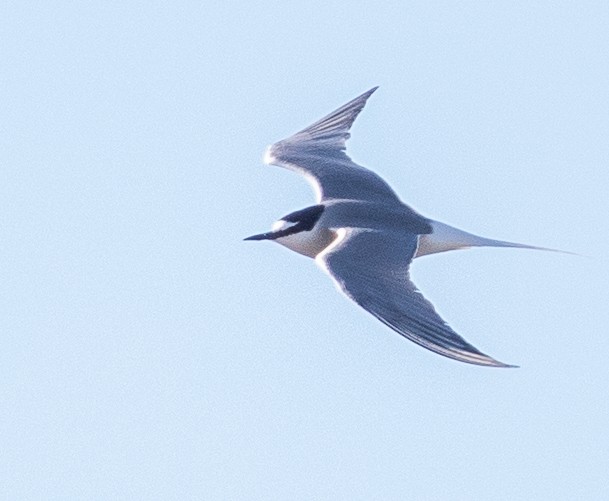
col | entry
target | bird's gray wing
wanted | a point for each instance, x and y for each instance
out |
(318, 153)
(372, 268)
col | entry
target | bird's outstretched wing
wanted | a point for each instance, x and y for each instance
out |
(318, 153)
(372, 268)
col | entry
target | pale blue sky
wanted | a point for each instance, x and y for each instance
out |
(147, 352)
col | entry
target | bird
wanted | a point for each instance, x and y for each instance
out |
(364, 237)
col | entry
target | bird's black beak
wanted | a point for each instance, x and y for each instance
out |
(262, 236)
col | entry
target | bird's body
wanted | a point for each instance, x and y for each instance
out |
(338, 214)
(365, 237)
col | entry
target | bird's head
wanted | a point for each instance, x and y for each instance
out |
(297, 231)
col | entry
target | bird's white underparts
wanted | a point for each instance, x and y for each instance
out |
(365, 237)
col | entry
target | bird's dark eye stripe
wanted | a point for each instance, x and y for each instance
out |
(306, 218)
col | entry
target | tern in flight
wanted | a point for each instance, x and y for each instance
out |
(364, 236)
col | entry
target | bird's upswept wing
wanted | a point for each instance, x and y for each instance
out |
(318, 153)
(372, 269)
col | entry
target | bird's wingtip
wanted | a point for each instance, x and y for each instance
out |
(368, 93)
(501, 365)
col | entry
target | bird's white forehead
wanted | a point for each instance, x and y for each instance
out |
(282, 224)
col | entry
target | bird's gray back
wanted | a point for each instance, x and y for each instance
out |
(373, 215)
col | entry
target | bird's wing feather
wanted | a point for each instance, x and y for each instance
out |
(318, 153)
(372, 269)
